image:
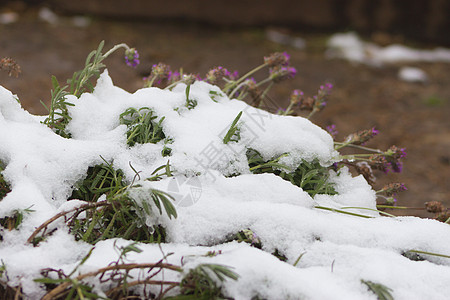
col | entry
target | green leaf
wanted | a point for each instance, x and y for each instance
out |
(233, 128)
(382, 291)
(160, 196)
(49, 280)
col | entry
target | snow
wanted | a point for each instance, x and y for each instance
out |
(411, 74)
(8, 17)
(350, 47)
(339, 250)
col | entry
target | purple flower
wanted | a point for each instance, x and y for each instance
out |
(393, 156)
(278, 74)
(361, 137)
(325, 90)
(215, 75)
(174, 76)
(132, 57)
(290, 71)
(296, 96)
(397, 166)
(234, 75)
(393, 189)
(332, 130)
(277, 59)
(379, 162)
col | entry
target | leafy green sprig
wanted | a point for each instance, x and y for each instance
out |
(118, 215)
(14, 220)
(382, 291)
(5, 188)
(200, 282)
(143, 126)
(310, 176)
(58, 112)
(233, 134)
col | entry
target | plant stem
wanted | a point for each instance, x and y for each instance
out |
(342, 145)
(245, 76)
(371, 209)
(263, 95)
(400, 207)
(342, 211)
(429, 253)
(122, 45)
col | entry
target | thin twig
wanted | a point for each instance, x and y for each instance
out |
(63, 286)
(145, 281)
(63, 213)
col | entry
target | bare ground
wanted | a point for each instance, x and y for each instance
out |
(410, 115)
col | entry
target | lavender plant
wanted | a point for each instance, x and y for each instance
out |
(118, 215)
(200, 282)
(142, 126)
(382, 291)
(110, 211)
(11, 66)
(364, 160)
(58, 114)
(8, 291)
(4, 186)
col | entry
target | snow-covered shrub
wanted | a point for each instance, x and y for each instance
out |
(184, 191)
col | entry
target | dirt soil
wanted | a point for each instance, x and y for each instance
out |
(410, 115)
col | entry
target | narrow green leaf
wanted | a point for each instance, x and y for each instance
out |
(232, 129)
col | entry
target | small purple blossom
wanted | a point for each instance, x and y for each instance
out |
(393, 189)
(361, 137)
(215, 75)
(132, 57)
(332, 130)
(11, 66)
(174, 76)
(325, 90)
(393, 156)
(379, 162)
(277, 59)
(290, 71)
(396, 166)
(234, 75)
(278, 74)
(159, 75)
(296, 97)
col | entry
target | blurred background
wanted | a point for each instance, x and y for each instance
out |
(54, 37)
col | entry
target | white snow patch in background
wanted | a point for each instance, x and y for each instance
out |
(47, 15)
(340, 250)
(412, 74)
(8, 17)
(285, 38)
(350, 47)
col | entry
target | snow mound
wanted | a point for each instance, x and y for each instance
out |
(411, 74)
(339, 250)
(350, 47)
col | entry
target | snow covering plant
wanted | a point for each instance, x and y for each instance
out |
(58, 115)
(310, 176)
(4, 186)
(198, 283)
(270, 204)
(116, 216)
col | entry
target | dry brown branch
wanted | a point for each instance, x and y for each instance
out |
(63, 286)
(63, 213)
